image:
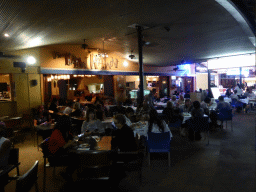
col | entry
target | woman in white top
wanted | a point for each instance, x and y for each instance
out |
(5, 146)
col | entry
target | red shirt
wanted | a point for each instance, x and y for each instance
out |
(56, 141)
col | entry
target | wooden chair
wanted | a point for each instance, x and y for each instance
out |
(26, 181)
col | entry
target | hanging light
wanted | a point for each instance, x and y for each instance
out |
(75, 75)
(55, 77)
(58, 77)
(68, 76)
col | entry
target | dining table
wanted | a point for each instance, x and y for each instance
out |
(188, 116)
(141, 128)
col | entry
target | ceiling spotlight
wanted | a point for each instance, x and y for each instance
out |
(6, 35)
(31, 60)
(125, 63)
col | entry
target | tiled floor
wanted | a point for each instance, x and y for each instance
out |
(227, 164)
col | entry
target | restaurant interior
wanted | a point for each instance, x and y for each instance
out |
(127, 95)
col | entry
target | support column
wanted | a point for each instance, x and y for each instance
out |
(209, 83)
(240, 76)
(141, 72)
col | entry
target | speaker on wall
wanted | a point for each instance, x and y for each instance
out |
(33, 82)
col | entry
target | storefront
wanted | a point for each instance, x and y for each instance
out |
(227, 72)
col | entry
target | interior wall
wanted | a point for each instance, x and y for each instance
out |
(202, 81)
(85, 81)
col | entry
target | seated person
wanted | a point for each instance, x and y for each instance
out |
(160, 127)
(251, 94)
(128, 101)
(197, 111)
(68, 109)
(77, 112)
(129, 113)
(100, 114)
(187, 107)
(61, 136)
(91, 124)
(187, 95)
(177, 115)
(228, 92)
(93, 98)
(222, 104)
(5, 146)
(205, 104)
(41, 116)
(123, 137)
(154, 119)
(54, 105)
(181, 100)
(168, 112)
(118, 108)
(234, 95)
(174, 101)
(142, 110)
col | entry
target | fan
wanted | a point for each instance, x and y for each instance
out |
(131, 56)
(2, 55)
(177, 69)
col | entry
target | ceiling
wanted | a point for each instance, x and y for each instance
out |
(193, 30)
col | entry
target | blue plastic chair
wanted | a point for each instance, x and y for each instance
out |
(225, 115)
(233, 103)
(176, 124)
(199, 124)
(159, 143)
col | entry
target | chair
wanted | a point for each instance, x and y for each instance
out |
(199, 124)
(233, 103)
(13, 160)
(225, 115)
(159, 143)
(26, 181)
(176, 124)
(95, 166)
(132, 161)
(76, 125)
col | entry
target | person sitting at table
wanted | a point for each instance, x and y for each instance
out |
(153, 118)
(41, 116)
(181, 100)
(222, 104)
(143, 110)
(239, 90)
(129, 113)
(77, 112)
(251, 94)
(187, 95)
(174, 101)
(128, 101)
(5, 146)
(168, 112)
(186, 107)
(91, 124)
(100, 114)
(234, 95)
(93, 98)
(228, 93)
(68, 109)
(205, 104)
(197, 111)
(54, 105)
(123, 137)
(118, 108)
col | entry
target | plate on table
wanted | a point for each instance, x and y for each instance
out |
(84, 145)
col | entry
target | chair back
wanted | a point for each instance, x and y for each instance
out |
(94, 163)
(25, 182)
(14, 156)
(158, 142)
(225, 114)
(199, 124)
